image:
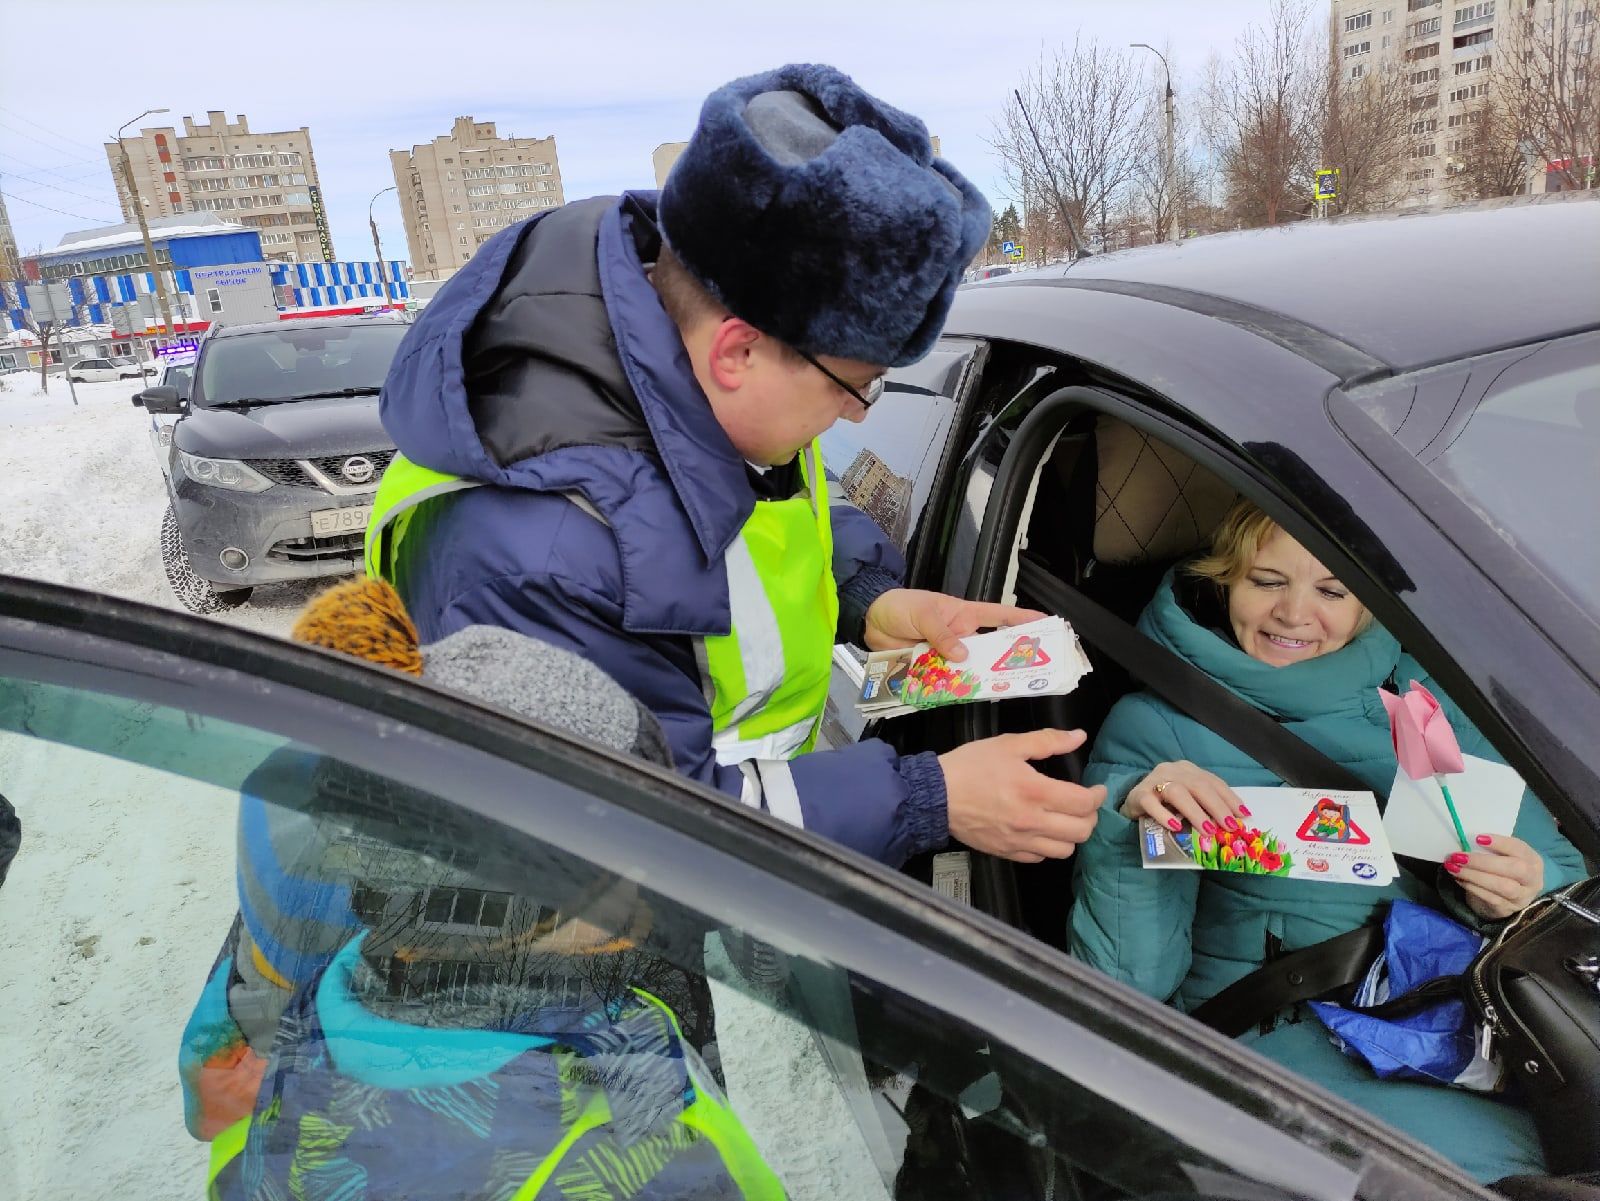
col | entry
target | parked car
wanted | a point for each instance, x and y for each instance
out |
(146, 368)
(172, 373)
(274, 456)
(101, 371)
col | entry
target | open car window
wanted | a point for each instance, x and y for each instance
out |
(275, 942)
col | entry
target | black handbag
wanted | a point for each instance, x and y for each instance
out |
(1536, 987)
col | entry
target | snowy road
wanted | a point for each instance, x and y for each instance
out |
(98, 970)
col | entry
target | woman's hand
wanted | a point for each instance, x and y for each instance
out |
(1501, 878)
(1180, 792)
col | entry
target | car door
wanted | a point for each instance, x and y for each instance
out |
(473, 883)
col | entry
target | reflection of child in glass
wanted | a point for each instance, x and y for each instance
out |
(1331, 825)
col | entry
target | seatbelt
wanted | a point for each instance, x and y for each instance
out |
(1188, 689)
(1324, 971)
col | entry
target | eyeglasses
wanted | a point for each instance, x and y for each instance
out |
(866, 398)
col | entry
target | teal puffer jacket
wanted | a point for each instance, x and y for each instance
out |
(1185, 936)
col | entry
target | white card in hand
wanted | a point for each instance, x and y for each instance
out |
(1488, 796)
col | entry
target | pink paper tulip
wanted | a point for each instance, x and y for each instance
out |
(1424, 743)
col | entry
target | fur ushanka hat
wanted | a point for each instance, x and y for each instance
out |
(820, 215)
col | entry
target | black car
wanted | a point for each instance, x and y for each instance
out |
(875, 1038)
(275, 456)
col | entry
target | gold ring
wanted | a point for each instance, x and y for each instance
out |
(1163, 786)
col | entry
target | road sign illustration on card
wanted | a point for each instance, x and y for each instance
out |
(1024, 652)
(1329, 821)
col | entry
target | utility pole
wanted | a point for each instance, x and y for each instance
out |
(1174, 233)
(377, 246)
(144, 226)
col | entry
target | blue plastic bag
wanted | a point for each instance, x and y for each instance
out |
(1438, 1042)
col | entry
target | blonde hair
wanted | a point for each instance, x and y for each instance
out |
(1235, 543)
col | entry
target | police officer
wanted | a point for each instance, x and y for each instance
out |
(607, 424)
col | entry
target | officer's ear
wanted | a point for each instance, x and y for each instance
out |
(731, 353)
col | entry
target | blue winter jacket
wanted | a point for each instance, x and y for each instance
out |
(547, 367)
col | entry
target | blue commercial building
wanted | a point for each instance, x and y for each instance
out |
(109, 277)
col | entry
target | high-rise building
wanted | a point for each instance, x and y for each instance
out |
(879, 493)
(10, 260)
(1448, 54)
(459, 189)
(267, 181)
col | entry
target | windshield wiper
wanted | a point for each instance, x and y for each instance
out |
(366, 391)
(248, 402)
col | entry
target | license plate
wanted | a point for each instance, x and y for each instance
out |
(327, 522)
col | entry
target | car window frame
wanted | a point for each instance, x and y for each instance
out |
(1061, 1014)
(1166, 419)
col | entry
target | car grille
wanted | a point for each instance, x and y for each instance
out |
(313, 550)
(290, 471)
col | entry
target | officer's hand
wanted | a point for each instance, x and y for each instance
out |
(907, 616)
(1000, 804)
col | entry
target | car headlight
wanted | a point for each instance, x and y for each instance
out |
(223, 473)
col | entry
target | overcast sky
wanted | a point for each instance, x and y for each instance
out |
(611, 79)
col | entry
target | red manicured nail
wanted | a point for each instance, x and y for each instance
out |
(1484, 840)
(1231, 824)
(1452, 868)
(1244, 811)
(1208, 827)
(1458, 857)
(1174, 823)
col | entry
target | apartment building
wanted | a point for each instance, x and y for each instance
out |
(458, 190)
(1447, 52)
(267, 181)
(10, 261)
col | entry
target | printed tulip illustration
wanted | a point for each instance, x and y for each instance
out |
(1251, 852)
(1424, 743)
(931, 682)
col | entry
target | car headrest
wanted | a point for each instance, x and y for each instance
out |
(1152, 503)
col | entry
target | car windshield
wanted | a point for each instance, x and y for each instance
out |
(178, 376)
(1525, 461)
(289, 363)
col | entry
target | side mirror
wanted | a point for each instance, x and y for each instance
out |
(161, 400)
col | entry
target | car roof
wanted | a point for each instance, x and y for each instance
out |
(1404, 291)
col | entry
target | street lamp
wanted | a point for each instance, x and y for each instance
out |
(1172, 145)
(144, 226)
(377, 247)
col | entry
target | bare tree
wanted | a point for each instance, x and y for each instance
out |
(1366, 134)
(1488, 152)
(1547, 89)
(1268, 104)
(1072, 139)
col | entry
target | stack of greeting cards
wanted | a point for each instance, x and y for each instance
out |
(1040, 658)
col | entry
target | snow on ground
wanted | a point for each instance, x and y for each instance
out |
(81, 498)
(100, 962)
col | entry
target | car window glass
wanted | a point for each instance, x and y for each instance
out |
(234, 957)
(1525, 460)
(273, 364)
(886, 462)
(886, 466)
